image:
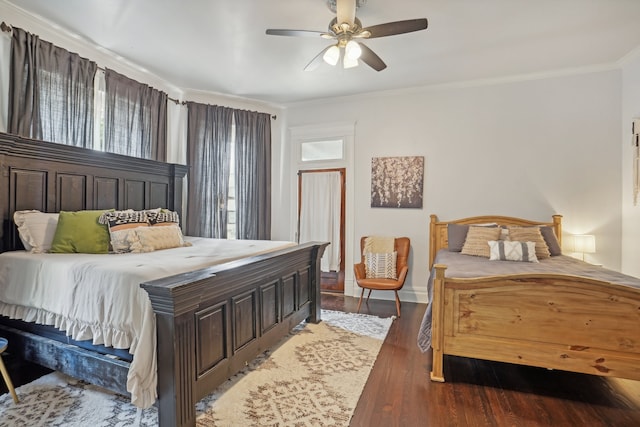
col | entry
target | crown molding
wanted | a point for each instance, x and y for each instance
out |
(591, 69)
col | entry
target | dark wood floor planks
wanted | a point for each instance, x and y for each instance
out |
(478, 393)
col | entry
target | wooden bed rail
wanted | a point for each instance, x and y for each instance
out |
(437, 321)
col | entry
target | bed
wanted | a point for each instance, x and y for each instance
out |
(209, 319)
(559, 313)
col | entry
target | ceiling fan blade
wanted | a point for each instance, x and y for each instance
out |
(315, 62)
(346, 11)
(295, 33)
(397, 27)
(370, 58)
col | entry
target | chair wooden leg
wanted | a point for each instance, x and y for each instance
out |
(368, 295)
(360, 302)
(7, 381)
(397, 303)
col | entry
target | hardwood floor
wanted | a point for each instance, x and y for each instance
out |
(478, 393)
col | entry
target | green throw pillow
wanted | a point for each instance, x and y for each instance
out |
(80, 232)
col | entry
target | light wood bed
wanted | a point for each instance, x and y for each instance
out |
(553, 321)
(209, 322)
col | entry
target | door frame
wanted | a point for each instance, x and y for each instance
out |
(343, 172)
(315, 132)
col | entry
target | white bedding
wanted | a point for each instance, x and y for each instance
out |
(99, 297)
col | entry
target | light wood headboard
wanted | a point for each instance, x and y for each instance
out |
(438, 238)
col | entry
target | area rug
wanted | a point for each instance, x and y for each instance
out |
(313, 377)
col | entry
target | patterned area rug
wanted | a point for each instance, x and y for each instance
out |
(314, 377)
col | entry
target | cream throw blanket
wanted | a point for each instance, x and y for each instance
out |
(378, 244)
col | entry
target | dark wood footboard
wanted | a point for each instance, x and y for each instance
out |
(212, 322)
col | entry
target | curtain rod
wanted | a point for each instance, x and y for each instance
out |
(7, 29)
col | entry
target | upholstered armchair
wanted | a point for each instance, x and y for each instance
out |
(401, 246)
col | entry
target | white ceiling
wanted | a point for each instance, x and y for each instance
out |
(221, 46)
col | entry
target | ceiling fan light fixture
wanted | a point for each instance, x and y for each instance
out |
(346, 31)
(332, 55)
(349, 62)
(352, 50)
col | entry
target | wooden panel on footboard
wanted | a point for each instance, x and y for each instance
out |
(221, 318)
(551, 321)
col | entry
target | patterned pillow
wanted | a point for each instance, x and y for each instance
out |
(122, 225)
(457, 234)
(163, 217)
(157, 238)
(380, 265)
(530, 234)
(477, 241)
(504, 250)
(128, 215)
(124, 237)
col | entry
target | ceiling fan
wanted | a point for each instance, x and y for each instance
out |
(348, 33)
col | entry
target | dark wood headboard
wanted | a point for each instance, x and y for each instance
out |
(54, 177)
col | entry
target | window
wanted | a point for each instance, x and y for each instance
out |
(313, 151)
(231, 195)
(98, 110)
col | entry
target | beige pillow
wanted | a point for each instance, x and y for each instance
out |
(477, 241)
(36, 229)
(530, 234)
(157, 238)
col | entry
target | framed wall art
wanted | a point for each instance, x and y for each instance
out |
(397, 182)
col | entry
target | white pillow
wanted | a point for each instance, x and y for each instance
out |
(380, 265)
(36, 229)
(506, 250)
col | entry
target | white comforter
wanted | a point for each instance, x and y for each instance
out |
(99, 297)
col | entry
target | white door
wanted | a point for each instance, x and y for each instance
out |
(320, 215)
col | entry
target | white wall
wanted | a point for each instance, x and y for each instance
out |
(630, 213)
(528, 149)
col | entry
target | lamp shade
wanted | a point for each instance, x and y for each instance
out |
(352, 50)
(349, 62)
(585, 243)
(332, 55)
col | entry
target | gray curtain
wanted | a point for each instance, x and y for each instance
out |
(209, 133)
(50, 92)
(135, 118)
(253, 175)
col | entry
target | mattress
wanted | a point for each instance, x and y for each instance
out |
(99, 298)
